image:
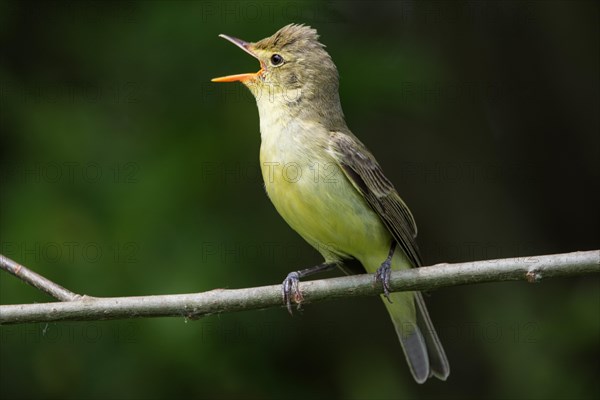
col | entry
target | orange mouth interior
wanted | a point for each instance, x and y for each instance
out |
(239, 77)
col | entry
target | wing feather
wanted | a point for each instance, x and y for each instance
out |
(363, 171)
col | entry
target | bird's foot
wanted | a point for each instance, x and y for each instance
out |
(384, 272)
(290, 287)
(291, 291)
(383, 275)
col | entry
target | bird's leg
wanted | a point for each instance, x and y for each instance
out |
(384, 271)
(290, 288)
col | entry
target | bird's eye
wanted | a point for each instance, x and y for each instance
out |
(276, 60)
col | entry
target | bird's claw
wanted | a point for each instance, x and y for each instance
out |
(291, 291)
(383, 275)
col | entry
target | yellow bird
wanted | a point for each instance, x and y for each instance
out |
(328, 186)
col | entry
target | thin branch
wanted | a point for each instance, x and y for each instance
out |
(36, 280)
(530, 269)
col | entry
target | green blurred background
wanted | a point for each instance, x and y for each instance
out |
(125, 171)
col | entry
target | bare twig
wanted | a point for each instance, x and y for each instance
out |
(530, 269)
(36, 280)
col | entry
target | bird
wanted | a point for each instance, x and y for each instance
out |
(328, 186)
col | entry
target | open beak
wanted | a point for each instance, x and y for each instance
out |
(239, 77)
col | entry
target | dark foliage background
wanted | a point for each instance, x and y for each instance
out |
(125, 171)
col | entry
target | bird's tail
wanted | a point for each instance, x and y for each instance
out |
(422, 348)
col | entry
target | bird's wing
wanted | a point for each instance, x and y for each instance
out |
(362, 170)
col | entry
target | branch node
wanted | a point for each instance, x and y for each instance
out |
(533, 276)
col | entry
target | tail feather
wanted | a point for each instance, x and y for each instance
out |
(415, 351)
(420, 343)
(440, 368)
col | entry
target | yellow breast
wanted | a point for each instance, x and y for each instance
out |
(315, 198)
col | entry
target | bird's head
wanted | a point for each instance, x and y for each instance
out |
(294, 67)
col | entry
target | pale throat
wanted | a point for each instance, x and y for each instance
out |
(278, 111)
